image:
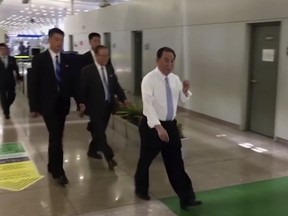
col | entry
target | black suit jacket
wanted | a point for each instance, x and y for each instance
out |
(92, 92)
(7, 78)
(46, 94)
(83, 61)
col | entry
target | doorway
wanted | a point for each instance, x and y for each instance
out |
(264, 53)
(137, 52)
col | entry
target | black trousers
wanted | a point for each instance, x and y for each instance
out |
(7, 98)
(151, 146)
(55, 123)
(98, 125)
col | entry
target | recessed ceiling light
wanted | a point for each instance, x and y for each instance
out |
(45, 14)
(37, 13)
(35, 9)
(29, 12)
(21, 11)
(26, 8)
(86, 10)
(32, 5)
(52, 12)
(77, 10)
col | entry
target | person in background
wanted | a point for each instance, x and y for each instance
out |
(8, 70)
(22, 48)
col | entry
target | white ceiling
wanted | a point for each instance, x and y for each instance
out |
(17, 16)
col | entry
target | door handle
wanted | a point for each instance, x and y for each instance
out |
(253, 81)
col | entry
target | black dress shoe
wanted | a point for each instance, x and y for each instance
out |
(94, 155)
(190, 204)
(7, 116)
(143, 196)
(111, 164)
(62, 180)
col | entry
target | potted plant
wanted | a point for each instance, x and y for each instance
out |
(133, 114)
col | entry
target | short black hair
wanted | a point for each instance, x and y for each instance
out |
(165, 49)
(3, 45)
(55, 31)
(98, 48)
(93, 34)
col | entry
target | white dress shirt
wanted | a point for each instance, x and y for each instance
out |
(154, 96)
(4, 59)
(53, 56)
(99, 67)
(93, 55)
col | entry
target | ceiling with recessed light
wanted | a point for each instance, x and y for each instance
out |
(14, 15)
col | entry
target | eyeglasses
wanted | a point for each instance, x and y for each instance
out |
(104, 56)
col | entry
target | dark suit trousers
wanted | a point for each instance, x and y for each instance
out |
(7, 98)
(55, 124)
(98, 125)
(151, 146)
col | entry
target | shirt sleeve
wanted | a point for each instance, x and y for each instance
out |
(183, 97)
(147, 98)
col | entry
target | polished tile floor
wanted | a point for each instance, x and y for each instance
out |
(216, 157)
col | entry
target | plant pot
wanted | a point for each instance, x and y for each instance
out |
(111, 123)
(119, 125)
(132, 133)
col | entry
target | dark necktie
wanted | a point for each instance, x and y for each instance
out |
(105, 83)
(58, 69)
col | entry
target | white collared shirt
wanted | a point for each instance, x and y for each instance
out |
(93, 55)
(99, 68)
(153, 89)
(4, 59)
(53, 56)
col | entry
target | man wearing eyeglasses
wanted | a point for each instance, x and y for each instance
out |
(98, 86)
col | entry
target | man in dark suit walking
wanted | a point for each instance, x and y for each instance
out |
(99, 84)
(8, 67)
(89, 58)
(50, 96)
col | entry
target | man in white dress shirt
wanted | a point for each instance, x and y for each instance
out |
(161, 91)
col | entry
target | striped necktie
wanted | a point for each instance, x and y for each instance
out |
(169, 98)
(105, 84)
(58, 69)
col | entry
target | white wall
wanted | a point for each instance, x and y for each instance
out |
(2, 36)
(80, 43)
(215, 69)
(211, 42)
(121, 55)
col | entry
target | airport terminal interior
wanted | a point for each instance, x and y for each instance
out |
(234, 128)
